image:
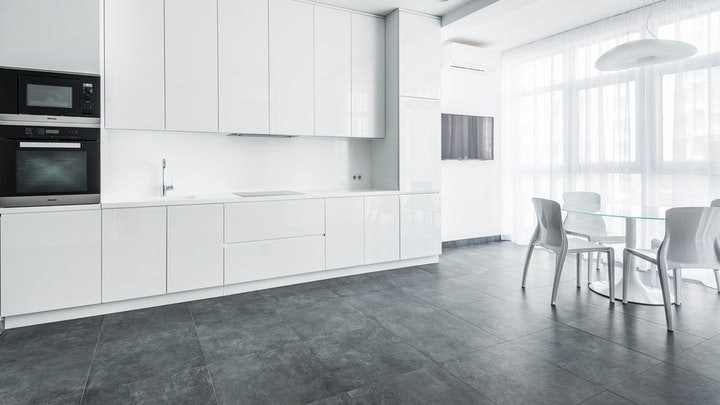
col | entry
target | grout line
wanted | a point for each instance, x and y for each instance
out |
(205, 363)
(92, 361)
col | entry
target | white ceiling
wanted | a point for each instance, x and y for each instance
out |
(501, 24)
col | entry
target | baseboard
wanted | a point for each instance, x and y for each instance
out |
(471, 241)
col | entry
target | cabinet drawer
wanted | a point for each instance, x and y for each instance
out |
(273, 258)
(245, 222)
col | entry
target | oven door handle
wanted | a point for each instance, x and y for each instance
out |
(51, 145)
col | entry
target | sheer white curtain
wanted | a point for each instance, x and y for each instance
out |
(644, 136)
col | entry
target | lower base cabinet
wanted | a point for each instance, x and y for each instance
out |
(252, 261)
(420, 234)
(133, 253)
(49, 261)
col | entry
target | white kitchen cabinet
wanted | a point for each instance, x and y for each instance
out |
(420, 56)
(344, 232)
(243, 66)
(420, 226)
(134, 64)
(194, 247)
(291, 68)
(333, 71)
(419, 145)
(251, 261)
(49, 260)
(191, 69)
(382, 229)
(262, 220)
(133, 253)
(368, 77)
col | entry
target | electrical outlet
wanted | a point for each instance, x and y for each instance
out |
(357, 176)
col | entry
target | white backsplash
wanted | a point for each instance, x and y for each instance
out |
(207, 163)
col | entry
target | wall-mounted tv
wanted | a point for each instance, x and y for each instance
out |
(467, 137)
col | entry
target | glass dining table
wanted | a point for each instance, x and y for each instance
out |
(638, 292)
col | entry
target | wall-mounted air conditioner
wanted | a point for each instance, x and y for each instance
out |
(471, 58)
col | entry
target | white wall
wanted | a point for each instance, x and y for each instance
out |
(41, 34)
(207, 163)
(471, 189)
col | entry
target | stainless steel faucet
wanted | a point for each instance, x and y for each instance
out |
(164, 187)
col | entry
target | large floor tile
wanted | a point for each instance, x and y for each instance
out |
(357, 284)
(445, 293)
(289, 375)
(508, 375)
(597, 360)
(364, 356)
(607, 398)
(325, 318)
(191, 387)
(49, 339)
(300, 295)
(145, 321)
(229, 307)
(667, 384)
(568, 308)
(703, 359)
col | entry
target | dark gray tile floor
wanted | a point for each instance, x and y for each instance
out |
(458, 332)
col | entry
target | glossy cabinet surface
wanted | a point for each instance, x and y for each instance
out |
(49, 261)
(191, 70)
(420, 226)
(194, 247)
(382, 229)
(133, 253)
(134, 73)
(243, 66)
(420, 56)
(273, 220)
(419, 145)
(267, 259)
(291, 68)
(344, 232)
(368, 77)
(333, 71)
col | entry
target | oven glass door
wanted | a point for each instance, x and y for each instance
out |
(48, 96)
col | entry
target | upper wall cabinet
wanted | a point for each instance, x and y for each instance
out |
(333, 71)
(191, 71)
(368, 76)
(291, 68)
(420, 56)
(134, 60)
(243, 66)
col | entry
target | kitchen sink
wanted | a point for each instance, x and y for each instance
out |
(270, 193)
(180, 197)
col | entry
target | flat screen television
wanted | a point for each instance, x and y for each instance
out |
(467, 137)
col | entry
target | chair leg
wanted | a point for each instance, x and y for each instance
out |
(528, 256)
(662, 272)
(626, 275)
(677, 279)
(611, 275)
(559, 262)
(589, 266)
(578, 263)
(717, 279)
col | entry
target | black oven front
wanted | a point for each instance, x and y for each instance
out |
(49, 165)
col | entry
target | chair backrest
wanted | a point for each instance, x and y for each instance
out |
(715, 203)
(692, 238)
(585, 223)
(551, 233)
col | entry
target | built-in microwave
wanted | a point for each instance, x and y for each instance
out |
(49, 165)
(44, 96)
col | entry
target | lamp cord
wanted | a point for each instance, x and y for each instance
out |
(647, 23)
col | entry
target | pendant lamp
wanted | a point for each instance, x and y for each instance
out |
(644, 52)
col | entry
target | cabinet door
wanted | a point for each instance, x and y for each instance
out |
(262, 220)
(420, 226)
(49, 261)
(133, 253)
(382, 229)
(368, 76)
(420, 56)
(191, 95)
(333, 71)
(420, 145)
(243, 66)
(291, 68)
(344, 232)
(134, 64)
(194, 247)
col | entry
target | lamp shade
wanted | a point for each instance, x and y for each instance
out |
(644, 52)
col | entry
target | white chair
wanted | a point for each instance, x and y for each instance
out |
(551, 235)
(587, 226)
(692, 240)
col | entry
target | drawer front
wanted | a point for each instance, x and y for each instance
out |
(273, 258)
(245, 222)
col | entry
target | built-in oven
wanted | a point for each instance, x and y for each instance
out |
(49, 165)
(45, 96)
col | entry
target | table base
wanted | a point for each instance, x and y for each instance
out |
(638, 293)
